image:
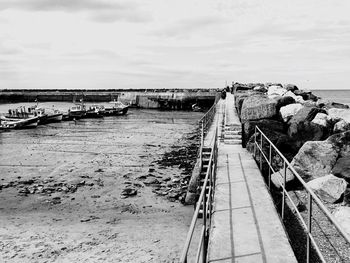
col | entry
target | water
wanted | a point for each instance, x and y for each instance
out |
(340, 96)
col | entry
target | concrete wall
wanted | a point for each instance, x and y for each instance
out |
(155, 99)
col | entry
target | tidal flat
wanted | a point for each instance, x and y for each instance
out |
(61, 189)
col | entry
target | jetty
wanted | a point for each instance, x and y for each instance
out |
(239, 219)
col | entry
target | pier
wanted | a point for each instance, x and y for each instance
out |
(241, 223)
(245, 225)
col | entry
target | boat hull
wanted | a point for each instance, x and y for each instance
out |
(11, 123)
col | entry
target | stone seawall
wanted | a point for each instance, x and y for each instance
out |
(143, 98)
(311, 132)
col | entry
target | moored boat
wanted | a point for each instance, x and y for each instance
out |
(16, 123)
(95, 111)
(118, 108)
(77, 111)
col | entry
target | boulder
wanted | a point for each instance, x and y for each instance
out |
(277, 178)
(258, 107)
(342, 168)
(337, 114)
(341, 141)
(342, 216)
(260, 89)
(264, 124)
(328, 188)
(298, 99)
(302, 129)
(276, 91)
(322, 119)
(341, 126)
(283, 101)
(290, 87)
(315, 159)
(288, 111)
(307, 95)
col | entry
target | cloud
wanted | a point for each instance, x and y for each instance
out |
(186, 27)
(98, 10)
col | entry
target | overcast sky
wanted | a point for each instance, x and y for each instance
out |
(173, 44)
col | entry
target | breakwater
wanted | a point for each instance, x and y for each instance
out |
(179, 99)
(314, 135)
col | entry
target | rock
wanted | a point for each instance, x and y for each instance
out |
(342, 142)
(342, 216)
(264, 124)
(258, 107)
(322, 119)
(302, 129)
(337, 114)
(346, 198)
(307, 95)
(290, 87)
(288, 111)
(129, 192)
(341, 126)
(315, 159)
(276, 91)
(342, 168)
(150, 181)
(328, 188)
(283, 101)
(260, 89)
(277, 178)
(298, 99)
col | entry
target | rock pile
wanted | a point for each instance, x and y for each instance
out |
(313, 134)
(183, 156)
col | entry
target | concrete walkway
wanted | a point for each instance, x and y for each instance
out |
(245, 225)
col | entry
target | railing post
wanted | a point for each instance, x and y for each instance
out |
(255, 142)
(204, 250)
(270, 165)
(309, 216)
(284, 187)
(261, 150)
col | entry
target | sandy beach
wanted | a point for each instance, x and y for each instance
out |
(61, 190)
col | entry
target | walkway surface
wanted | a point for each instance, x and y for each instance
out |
(245, 225)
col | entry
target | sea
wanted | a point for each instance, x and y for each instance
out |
(340, 96)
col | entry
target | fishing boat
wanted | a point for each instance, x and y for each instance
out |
(116, 108)
(95, 111)
(77, 111)
(45, 115)
(16, 123)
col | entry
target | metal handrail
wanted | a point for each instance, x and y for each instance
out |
(204, 201)
(311, 195)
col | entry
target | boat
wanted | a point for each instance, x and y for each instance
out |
(77, 111)
(45, 115)
(118, 108)
(95, 111)
(195, 107)
(16, 123)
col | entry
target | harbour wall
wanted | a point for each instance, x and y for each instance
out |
(180, 99)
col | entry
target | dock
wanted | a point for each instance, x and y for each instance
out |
(245, 226)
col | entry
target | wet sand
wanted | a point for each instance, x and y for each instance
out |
(61, 190)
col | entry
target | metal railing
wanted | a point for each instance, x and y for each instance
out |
(205, 123)
(205, 202)
(260, 140)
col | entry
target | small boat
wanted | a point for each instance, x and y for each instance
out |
(51, 115)
(195, 107)
(77, 111)
(118, 108)
(95, 111)
(44, 115)
(15, 123)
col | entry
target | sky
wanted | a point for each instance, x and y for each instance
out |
(92, 44)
